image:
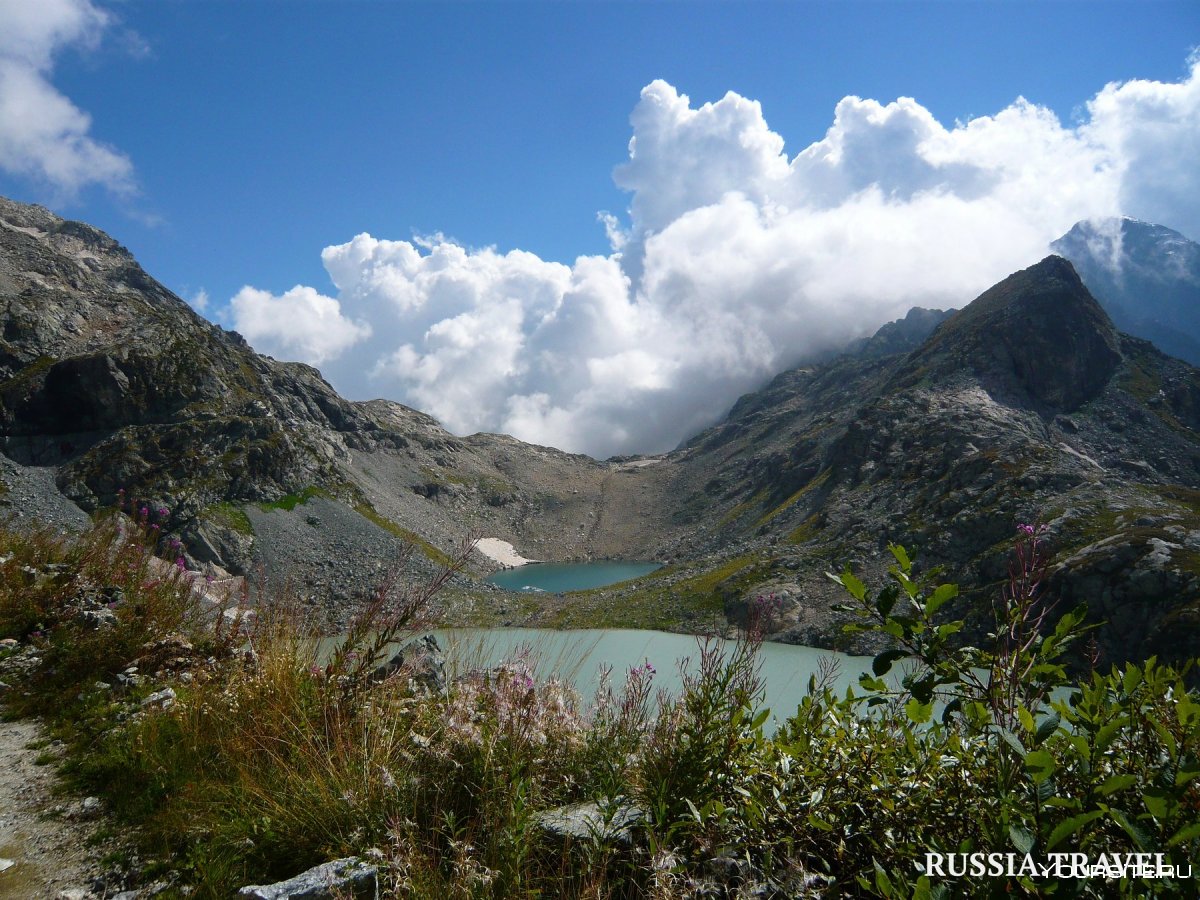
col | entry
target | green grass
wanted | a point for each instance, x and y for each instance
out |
(290, 501)
(796, 497)
(231, 516)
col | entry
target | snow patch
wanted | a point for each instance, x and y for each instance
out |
(501, 552)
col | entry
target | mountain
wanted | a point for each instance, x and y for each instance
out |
(943, 432)
(1025, 406)
(110, 382)
(1146, 276)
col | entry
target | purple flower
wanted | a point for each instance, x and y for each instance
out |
(646, 670)
(175, 542)
(143, 512)
(180, 564)
(163, 511)
(156, 526)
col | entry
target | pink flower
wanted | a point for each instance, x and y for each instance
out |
(180, 564)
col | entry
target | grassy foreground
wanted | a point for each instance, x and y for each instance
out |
(266, 759)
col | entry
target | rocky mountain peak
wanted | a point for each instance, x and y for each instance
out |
(1037, 339)
(1146, 276)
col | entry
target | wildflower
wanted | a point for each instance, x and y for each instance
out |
(143, 512)
(175, 543)
(180, 564)
(163, 511)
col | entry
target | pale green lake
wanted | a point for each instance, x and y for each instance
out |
(578, 655)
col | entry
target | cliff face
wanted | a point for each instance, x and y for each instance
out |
(941, 433)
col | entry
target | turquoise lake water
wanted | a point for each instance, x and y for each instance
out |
(558, 578)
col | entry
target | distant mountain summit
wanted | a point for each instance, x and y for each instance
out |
(1146, 276)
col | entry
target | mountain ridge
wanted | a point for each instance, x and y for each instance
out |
(942, 433)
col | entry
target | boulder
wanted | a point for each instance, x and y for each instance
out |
(587, 821)
(421, 660)
(349, 877)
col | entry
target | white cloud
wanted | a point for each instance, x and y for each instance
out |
(43, 135)
(299, 324)
(738, 260)
(1151, 131)
(199, 300)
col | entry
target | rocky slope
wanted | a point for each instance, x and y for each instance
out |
(111, 382)
(1027, 405)
(941, 433)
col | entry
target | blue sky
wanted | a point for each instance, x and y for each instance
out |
(230, 143)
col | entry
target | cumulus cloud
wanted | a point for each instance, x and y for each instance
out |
(299, 324)
(736, 260)
(1151, 131)
(43, 135)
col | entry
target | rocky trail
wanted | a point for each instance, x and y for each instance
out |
(48, 846)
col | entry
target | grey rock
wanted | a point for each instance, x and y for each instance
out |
(163, 699)
(328, 881)
(587, 822)
(422, 661)
(95, 619)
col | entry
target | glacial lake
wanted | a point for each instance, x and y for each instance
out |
(578, 656)
(559, 578)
